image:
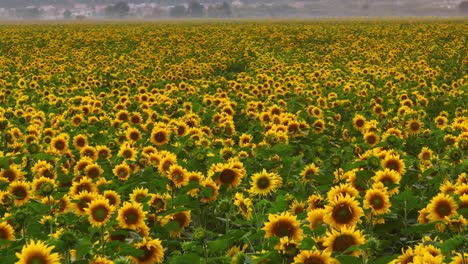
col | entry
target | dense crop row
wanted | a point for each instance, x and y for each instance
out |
(234, 142)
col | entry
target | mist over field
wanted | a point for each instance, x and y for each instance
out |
(162, 9)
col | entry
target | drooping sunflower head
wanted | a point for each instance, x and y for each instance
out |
(37, 252)
(6, 231)
(153, 251)
(283, 225)
(244, 205)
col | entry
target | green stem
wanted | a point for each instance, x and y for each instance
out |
(102, 239)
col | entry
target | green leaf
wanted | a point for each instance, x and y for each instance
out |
(218, 245)
(83, 247)
(385, 259)
(348, 259)
(451, 244)
(189, 258)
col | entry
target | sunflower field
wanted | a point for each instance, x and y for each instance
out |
(319, 141)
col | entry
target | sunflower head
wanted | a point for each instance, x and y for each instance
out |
(37, 252)
(283, 225)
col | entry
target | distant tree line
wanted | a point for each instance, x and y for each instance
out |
(195, 9)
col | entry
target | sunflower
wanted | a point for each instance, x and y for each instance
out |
(183, 219)
(406, 257)
(297, 207)
(414, 126)
(89, 151)
(314, 257)
(441, 122)
(308, 173)
(160, 135)
(100, 260)
(244, 205)
(359, 122)
(60, 143)
(264, 183)
(93, 171)
(139, 194)
(20, 191)
(80, 141)
(371, 138)
(459, 258)
(209, 190)
(133, 134)
(440, 206)
(37, 252)
(178, 175)
(315, 217)
(153, 251)
(318, 126)
(343, 189)
(426, 154)
(113, 197)
(126, 151)
(158, 202)
(43, 186)
(99, 211)
(6, 232)
(136, 118)
(393, 162)
(77, 119)
(283, 225)
(13, 173)
(377, 200)
(342, 211)
(81, 202)
(131, 216)
(315, 201)
(103, 152)
(227, 173)
(122, 171)
(84, 184)
(463, 206)
(389, 178)
(287, 246)
(165, 162)
(339, 240)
